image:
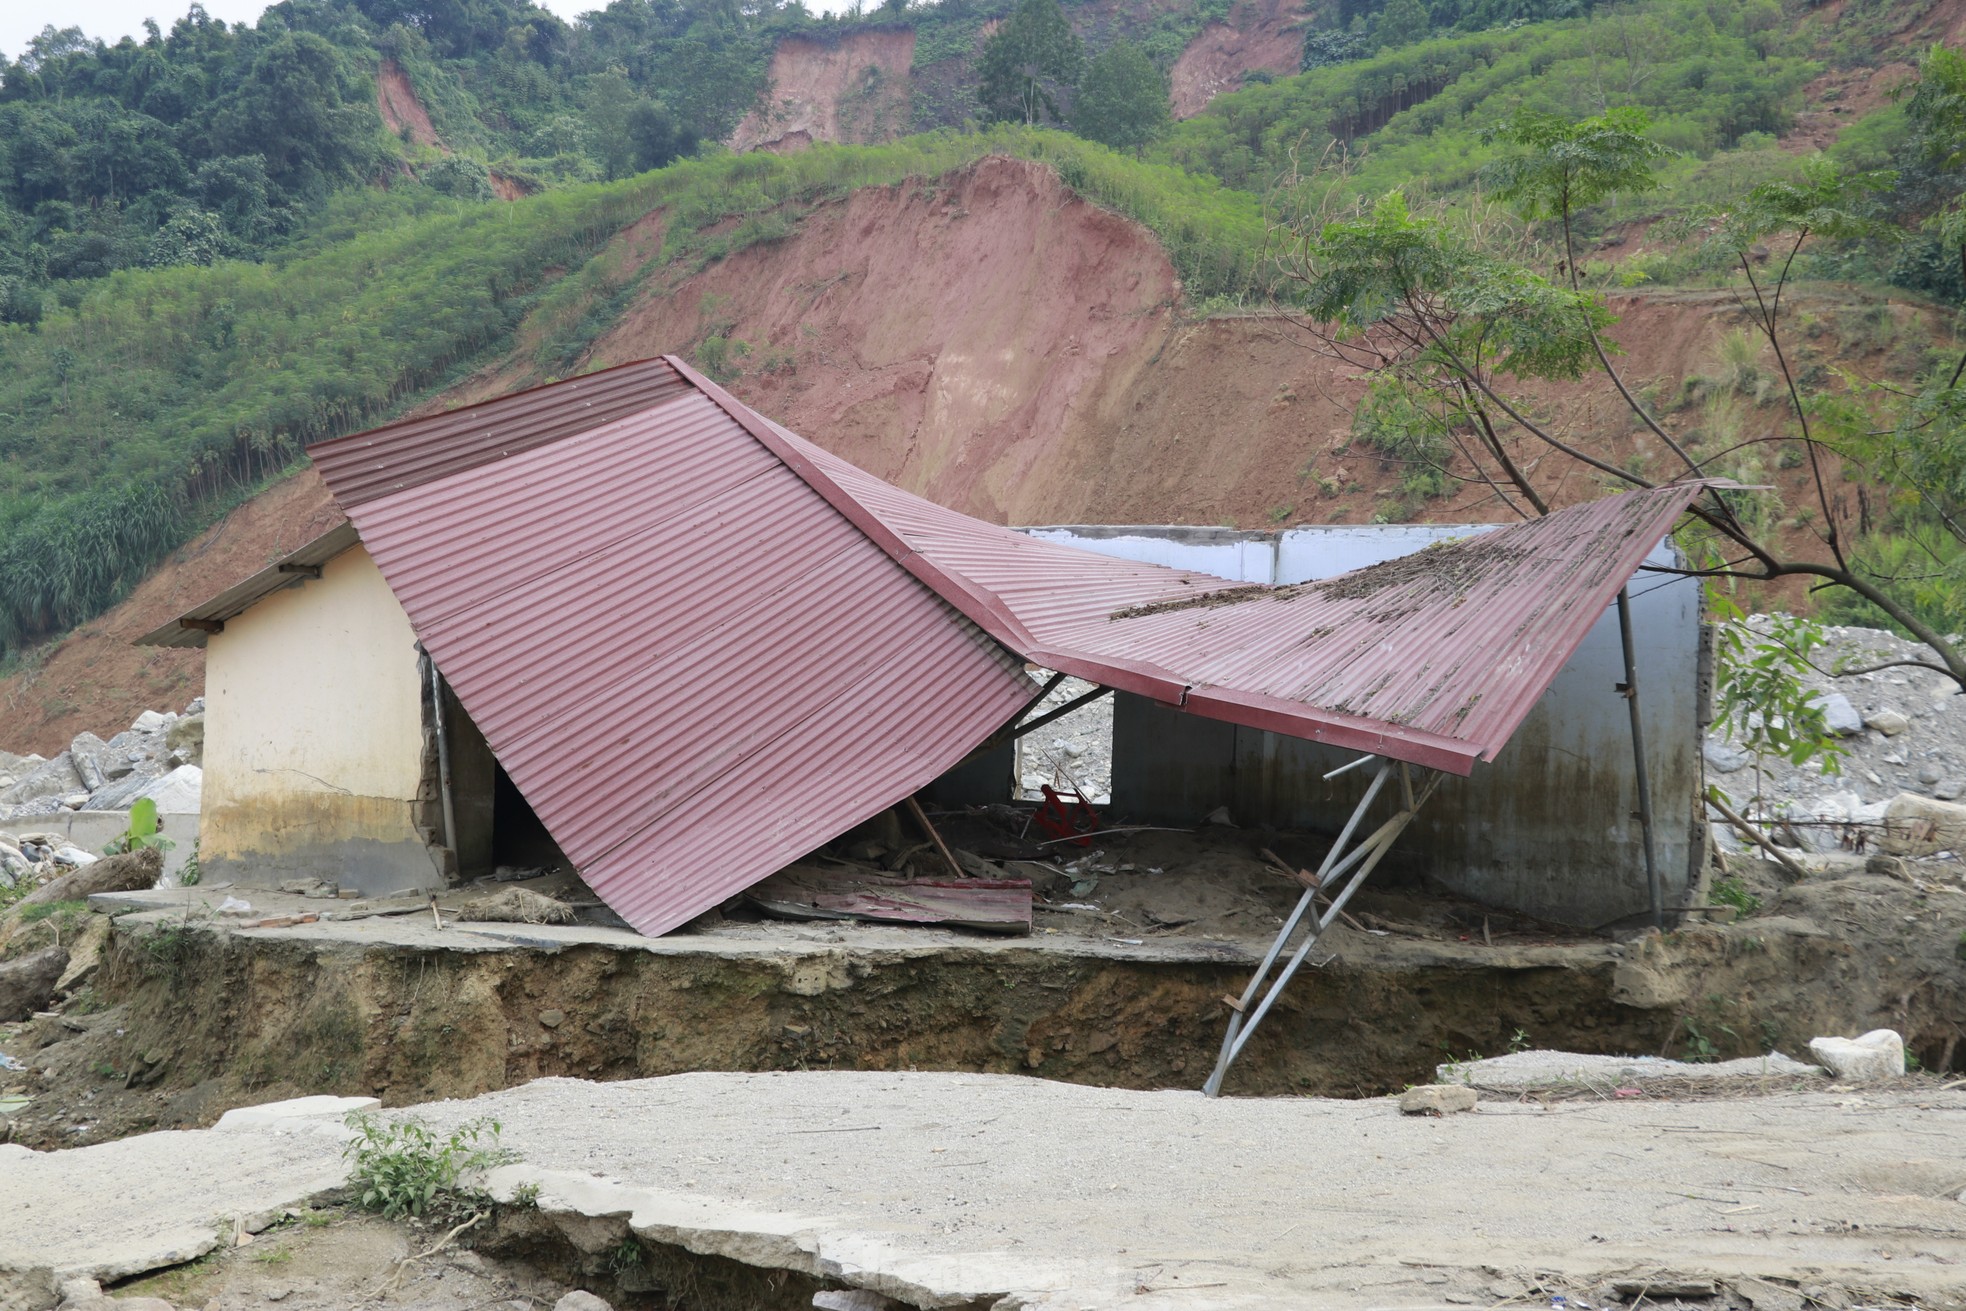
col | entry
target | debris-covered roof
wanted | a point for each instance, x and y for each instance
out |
(1433, 658)
(701, 646)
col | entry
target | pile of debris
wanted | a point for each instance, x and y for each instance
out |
(1899, 784)
(36, 858)
(157, 757)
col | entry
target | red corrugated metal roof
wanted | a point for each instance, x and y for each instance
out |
(690, 665)
(701, 646)
(1435, 658)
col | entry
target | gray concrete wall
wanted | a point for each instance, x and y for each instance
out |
(92, 830)
(1548, 828)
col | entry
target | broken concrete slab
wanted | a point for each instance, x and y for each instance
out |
(953, 1189)
(1521, 1071)
(120, 1209)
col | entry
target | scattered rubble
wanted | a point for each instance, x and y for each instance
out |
(158, 757)
(1903, 734)
(1073, 752)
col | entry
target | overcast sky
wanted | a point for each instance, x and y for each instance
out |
(21, 20)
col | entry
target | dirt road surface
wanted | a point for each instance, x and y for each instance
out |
(952, 1189)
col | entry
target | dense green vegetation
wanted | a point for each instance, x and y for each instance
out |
(1711, 72)
(162, 391)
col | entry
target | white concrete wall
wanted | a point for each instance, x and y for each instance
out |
(314, 737)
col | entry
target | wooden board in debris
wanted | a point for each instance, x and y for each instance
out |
(810, 892)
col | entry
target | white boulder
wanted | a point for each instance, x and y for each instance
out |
(1888, 722)
(1839, 716)
(178, 792)
(150, 721)
(1921, 826)
(1879, 1054)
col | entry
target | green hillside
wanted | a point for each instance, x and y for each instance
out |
(212, 253)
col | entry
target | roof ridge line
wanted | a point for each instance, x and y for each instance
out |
(976, 604)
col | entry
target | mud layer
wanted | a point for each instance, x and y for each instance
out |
(187, 1019)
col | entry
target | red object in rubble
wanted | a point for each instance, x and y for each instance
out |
(1060, 818)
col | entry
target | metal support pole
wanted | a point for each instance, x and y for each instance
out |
(1243, 1021)
(1629, 690)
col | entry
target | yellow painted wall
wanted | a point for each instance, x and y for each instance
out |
(314, 737)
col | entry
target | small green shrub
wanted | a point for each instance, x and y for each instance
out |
(1732, 892)
(142, 831)
(401, 1167)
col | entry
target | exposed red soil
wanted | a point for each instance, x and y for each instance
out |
(1839, 98)
(998, 344)
(1263, 35)
(402, 112)
(94, 680)
(854, 89)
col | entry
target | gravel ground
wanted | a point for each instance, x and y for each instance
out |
(1842, 808)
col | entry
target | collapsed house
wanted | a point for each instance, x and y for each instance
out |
(628, 613)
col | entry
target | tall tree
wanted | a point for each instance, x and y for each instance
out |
(1122, 100)
(1401, 23)
(1029, 62)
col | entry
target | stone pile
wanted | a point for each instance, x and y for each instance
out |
(34, 858)
(1901, 781)
(157, 757)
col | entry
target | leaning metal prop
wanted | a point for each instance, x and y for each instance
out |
(1358, 863)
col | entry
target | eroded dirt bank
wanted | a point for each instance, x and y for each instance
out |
(187, 1019)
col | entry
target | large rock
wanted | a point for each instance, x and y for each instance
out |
(1724, 757)
(128, 872)
(27, 983)
(50, 778)
(1888, 722)
(186, 739)
(122, 794)
(91, 757)
(178, 792)
(1839, 716)
(1879, 1054)
(150, 721)
(1437, 1099)
(1920, 826)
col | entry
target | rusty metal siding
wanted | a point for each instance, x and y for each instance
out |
(683, 717)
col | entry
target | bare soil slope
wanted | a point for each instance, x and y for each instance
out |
(1259, 36)
(997, 344)
(402, 112)
(854, 89)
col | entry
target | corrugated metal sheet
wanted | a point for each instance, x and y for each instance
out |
(687, 703)
(701, 646)
(194, 626)
(412, 452)
(1434, 658)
